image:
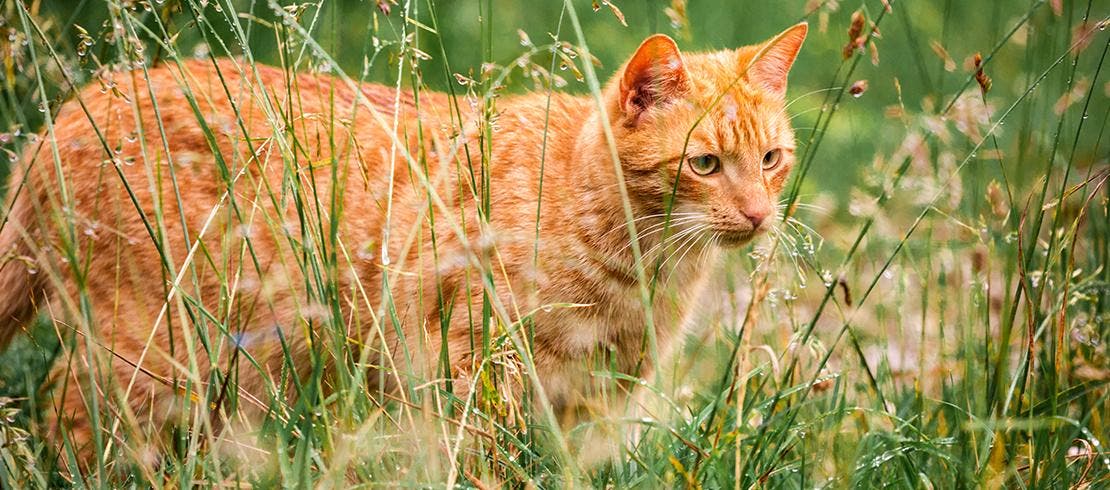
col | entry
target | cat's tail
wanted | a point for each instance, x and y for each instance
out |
(21, 284)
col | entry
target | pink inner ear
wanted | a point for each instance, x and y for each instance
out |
(654, 74)
(771, 69)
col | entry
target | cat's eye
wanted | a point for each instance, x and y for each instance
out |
(771, 159)
(705, 164)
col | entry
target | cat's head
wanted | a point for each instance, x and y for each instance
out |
(714, 122)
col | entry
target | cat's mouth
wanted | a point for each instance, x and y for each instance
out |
(736, 238)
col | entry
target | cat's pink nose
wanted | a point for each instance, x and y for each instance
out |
(757, 215)
(755, 218)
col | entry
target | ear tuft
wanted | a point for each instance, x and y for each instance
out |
(654, 74)
(770, 70)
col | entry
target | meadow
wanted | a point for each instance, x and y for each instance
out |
(932, 311)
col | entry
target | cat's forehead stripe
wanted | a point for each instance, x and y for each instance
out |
(730, 108)
(738, 126)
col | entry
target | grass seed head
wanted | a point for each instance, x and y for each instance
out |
(855, 38)
(858, 88)
(981, 78)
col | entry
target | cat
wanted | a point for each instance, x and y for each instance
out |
(203, 219)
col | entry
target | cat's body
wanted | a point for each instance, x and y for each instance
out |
(578, 282)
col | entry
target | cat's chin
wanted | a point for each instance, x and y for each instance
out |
(735, 239)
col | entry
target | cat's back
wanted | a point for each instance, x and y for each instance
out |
(184, 114)
(204, 105)
(210, 120)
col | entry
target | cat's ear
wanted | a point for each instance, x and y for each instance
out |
(769, 70)
(653, 75)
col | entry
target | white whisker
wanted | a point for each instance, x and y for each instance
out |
(807, 94)
(624, 224)
(687, 245)
(668, 240)
(672, 223)
(795, 223)
(802, 113)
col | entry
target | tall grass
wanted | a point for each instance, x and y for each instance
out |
(932, 311)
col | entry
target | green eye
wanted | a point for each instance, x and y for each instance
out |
(705, 164)
(771, 159)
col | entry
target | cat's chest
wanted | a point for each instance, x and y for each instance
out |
(587, 312)
(576, 346)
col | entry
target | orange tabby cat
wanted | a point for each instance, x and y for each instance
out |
(205, 218)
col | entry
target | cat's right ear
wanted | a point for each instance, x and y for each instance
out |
(653, 75)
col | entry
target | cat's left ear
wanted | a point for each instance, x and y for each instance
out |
(769, 70)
